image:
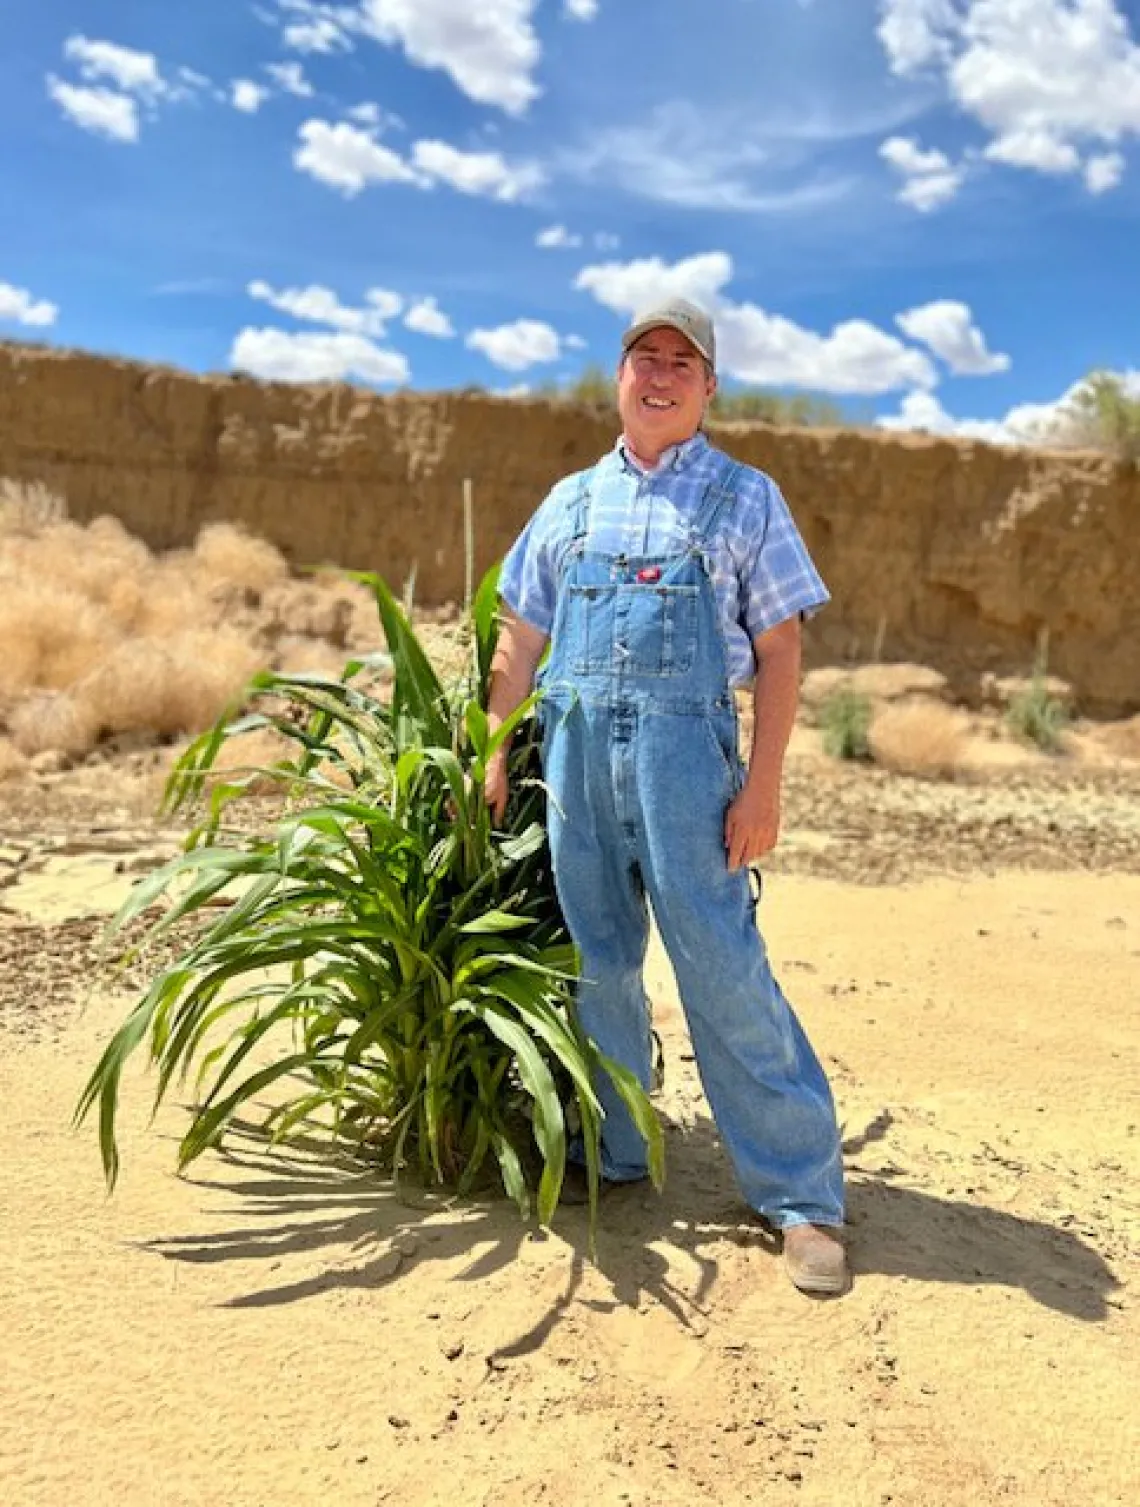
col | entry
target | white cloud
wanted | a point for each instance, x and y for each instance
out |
(291, 78)
(349, 159)
(1054, 425)
(319, 29)
(483, 173)
(1104, 172)
(694, 158)
(556, 238)
(947, 327)
(526, 342)
(193, 79)
(856, 357)
(104, 112)
(916, 33)
(756, 346)
(130, 71)
(247, 96)
(17, 306)
(1026, 424)
(604, 241)
(489, 50)
(1036, 147)
(314, 36)
(929, 177)
(919, 411)
(311, 356)
(574, 343)
(580, 10)
(118, 82)
(320, 305)
(627, 287)
(427, 318)
(1047, 79)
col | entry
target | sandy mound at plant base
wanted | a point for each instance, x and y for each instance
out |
(287, 1329)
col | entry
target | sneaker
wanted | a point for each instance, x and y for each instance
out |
(815, 1259)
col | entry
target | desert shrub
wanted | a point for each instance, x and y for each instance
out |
(1121, 739)
(131, 689)
(845, 717)
(295, 653)
(225, 553)
(27, 506)
(922, 738)
(13, 763)
(172, 599)
(401, 963)
(755, 404)
(49, 635)
(179, 684)
(52, 720)
(88, 559)
(1105, 414)
(208, 669)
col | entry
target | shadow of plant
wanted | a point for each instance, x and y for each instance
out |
(304, 1201)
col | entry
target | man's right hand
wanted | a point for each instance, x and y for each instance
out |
(516, 658)
(496, 786)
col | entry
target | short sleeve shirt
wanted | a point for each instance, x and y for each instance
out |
(761, 571)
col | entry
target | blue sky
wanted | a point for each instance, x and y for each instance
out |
(926, 209)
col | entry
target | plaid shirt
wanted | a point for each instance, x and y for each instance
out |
(761, 571)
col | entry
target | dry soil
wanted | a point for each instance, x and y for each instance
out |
(286, 1329)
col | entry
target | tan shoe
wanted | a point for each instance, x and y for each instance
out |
(815, 1259)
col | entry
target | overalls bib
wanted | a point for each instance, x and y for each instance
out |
(641, 761)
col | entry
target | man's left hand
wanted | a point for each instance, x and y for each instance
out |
(752, 824)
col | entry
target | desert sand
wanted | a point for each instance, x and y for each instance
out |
(287, 1328)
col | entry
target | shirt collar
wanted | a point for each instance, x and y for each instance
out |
(676, 458)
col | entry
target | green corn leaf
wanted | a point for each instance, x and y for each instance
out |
(417, 692)
(514, 1179)
(494, 920)
(485, 620)
(208, 1125)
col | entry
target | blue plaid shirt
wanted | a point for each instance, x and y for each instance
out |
(761, 571)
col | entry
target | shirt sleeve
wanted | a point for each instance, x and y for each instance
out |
(528, 581)
(778, 577)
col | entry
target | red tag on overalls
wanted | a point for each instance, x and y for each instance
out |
(650, 574)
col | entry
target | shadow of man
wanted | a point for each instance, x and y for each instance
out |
(307, 1199)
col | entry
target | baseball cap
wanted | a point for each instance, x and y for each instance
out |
(678, 314)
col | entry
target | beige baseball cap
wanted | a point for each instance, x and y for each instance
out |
(678, 314)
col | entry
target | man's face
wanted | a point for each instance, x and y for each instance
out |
(663, 386)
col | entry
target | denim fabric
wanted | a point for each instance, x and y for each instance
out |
(761, 571)
(640, 749)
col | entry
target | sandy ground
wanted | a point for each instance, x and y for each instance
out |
(286, 1329)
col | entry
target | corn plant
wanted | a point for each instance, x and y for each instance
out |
(390, 968)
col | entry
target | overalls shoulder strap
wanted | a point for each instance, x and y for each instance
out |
(719, 495)
(580, 507)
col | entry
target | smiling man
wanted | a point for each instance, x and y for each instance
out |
(665, 577)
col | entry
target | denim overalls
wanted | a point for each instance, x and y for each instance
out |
(640, 752)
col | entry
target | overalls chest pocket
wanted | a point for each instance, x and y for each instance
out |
(635, 628)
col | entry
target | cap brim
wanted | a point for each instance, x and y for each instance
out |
(635, 332)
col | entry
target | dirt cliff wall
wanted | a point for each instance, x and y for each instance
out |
(953, 553)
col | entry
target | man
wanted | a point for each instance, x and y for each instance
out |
(664, 577)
